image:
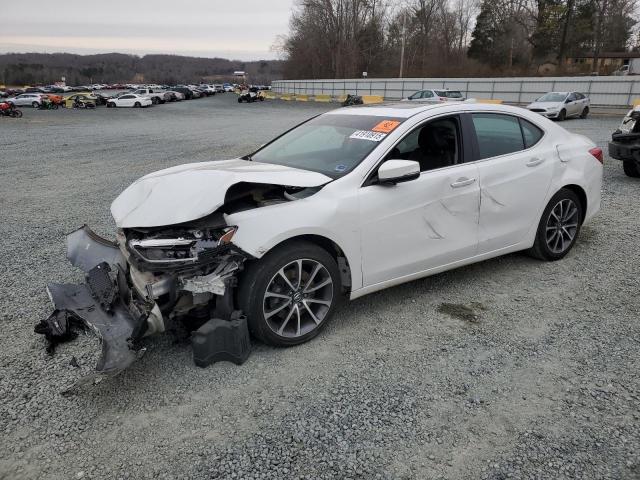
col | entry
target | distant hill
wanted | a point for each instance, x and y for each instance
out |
(46, 68)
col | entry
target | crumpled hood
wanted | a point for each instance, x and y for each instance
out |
(544, 105)
(192, 191)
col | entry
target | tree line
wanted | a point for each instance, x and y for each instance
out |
(423, 38)
(44, 69)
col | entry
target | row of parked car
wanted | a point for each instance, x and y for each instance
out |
(135, 97)
(556, 105)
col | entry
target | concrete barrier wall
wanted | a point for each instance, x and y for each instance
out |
(603, 91)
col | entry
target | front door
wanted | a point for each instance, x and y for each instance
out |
(424, 223)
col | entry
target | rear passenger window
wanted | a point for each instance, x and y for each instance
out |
(497, 134)
(530, 132)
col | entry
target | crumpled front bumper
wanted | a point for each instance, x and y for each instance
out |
(103, 303)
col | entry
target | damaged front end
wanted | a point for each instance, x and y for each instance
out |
(140, 284)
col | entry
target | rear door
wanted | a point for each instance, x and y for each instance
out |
(515, 167)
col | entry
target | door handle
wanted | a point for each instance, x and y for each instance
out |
(463, 182)
(534, 162)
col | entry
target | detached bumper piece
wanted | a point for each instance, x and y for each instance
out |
(221, 340)
(98, 305)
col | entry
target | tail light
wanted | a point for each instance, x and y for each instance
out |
(597, 152)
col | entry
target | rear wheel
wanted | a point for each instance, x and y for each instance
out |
(562, 115)
(631, 168)
(154, 100)
(239, 100)
(585, 112)
(290, 294)
(35, 105)
(559, 226)
(137, 105)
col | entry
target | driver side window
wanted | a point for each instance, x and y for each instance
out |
(434, 144)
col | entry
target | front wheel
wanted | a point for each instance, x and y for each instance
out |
(239, 100)
(585, 112)
(559, 226)
(562, 115)
(16, 113)
(110, 105)
(35, 105)
(631, 168)
(290, 294)
(137, 105)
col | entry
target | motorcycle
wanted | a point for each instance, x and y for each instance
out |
(48, 105)
(9, 110)
(81, 104)
(352, 100)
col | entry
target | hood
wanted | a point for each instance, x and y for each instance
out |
(192, 191)
(544, 104)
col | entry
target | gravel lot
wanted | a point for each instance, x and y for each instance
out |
(511, 368)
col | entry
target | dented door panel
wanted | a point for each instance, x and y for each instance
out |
(419, 225)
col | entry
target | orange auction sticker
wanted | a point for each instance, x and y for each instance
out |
(386, 126)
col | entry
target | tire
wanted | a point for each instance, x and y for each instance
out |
(631, 168)
(281, 327)
(562, 115)
(35, 105)
(562, 216)
(262, 99)
(239, 100)
(111, 105)
(55, 106)
(16, 113)
(154, 100)
(136, 105)
(585, 112)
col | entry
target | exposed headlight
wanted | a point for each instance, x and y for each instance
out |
(188, 248)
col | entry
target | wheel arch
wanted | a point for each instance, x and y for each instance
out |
(582, 196)
(331, 247)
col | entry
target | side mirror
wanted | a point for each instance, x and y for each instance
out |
(397, 171)
(567, 101)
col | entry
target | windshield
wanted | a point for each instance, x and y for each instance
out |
(329, 144)
(553, 97)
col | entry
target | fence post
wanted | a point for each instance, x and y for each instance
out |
(493, 88)
(630, 92)
(466, 92)
(520, 93)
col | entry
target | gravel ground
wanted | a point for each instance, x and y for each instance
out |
(510, 368)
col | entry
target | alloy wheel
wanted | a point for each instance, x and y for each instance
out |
(562, 225)
(298, 298)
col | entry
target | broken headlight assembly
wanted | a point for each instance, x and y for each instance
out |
(181, 248)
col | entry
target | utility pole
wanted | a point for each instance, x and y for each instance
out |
(404, 21)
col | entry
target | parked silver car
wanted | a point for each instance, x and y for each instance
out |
(26, 99)
(560, 105)
(437, 96)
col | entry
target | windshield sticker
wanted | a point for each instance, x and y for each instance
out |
(340, 168)
(386, 126)
(367, 135)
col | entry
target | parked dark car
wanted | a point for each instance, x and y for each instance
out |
(188, 94)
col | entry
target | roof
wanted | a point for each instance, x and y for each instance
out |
(387, 109)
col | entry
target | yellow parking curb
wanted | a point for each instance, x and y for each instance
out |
(369, 99)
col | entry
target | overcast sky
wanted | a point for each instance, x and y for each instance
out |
(244, 30)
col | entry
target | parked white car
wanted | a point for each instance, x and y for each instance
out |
(348, 203)
(560, 105)
(26, 99)
(129, 100)
(437, 96)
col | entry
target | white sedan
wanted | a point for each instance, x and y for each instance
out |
(561, 105)
(348, 203)
(129, 100)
